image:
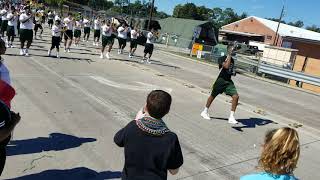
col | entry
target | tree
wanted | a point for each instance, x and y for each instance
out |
(298, 23)
(277, 20)
(313, 28)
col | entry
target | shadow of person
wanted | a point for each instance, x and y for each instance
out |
(55, 142)
(252, 123)
(80, 173)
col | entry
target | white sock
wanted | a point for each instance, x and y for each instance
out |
(206, 109)
(232, 114)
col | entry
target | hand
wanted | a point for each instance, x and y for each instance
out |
(15, 117)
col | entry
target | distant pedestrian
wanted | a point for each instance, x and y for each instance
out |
(56, 37)
(97, 31)
(134, 41)
(107, 39)
(122, 37)
(151, 149)
(279, 157)
(148, 47)
(86, 29)
(26, 33)
(12, 26)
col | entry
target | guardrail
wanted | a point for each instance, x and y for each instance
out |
(289, 74)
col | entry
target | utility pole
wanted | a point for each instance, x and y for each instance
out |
(151, 14)
(276, 37)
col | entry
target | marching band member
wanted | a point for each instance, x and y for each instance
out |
(68, 35)
(38, 24)
(12, 25)
(86, 30)
(51, 17)
(26, 33)
(134, 41)
(122, 37)
(107, 38)
(56, 37)
(97, 31)
(4, 20)
(149, 46)
(77, 31)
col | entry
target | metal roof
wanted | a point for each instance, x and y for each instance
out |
(286, 30)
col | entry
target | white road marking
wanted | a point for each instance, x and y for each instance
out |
(141, 87)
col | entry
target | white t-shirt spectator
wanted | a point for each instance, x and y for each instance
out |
(4, 13)
(106, 30)
(150, 38)
(123, 32)
(97, 25)
(68, 23)
(134, 34)
(25, 25)
(12, 19)
(56, 31)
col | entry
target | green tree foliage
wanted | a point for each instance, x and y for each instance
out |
(314, 28)
(299, 24)
(100, 4)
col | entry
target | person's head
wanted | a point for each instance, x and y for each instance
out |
(281, 151)
(57, 22)
(27, 10)
(158, 104)
(69, 15)
(2, 47)
(13, 9)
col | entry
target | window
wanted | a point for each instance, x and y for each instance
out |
(269, 37)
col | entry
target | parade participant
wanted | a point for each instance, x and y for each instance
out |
(77, 32)
(56, 37)
(279, 156)
(26, 33)
(38, 24)
(122, 37)
(8, 118)
(51, 17)
(224, 84)
(86, 30)
(149, 46)
(4, 20)
(97, 31)
(107, 38)
(151, 149)
(134, 41)
(12, 26)
(68, 35)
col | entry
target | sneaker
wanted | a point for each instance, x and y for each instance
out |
(101, 56)
(69, 50)
(119, 51)
(11, 46)
(142, 61)
(21, 52)
(232, 120)
(49, 53)
(65, 50)
(26, 52)
(97, 44)
(205, 115)
(93, 43)
(58, 55)
(148, 61)
(107, 55)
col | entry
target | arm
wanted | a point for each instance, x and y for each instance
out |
(6, 130)
(26, 20)
(227, 62)
(119, 137)
(175, 160)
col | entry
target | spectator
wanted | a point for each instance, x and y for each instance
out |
(279, 157)
(151, 149)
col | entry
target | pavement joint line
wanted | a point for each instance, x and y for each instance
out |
(246, 74)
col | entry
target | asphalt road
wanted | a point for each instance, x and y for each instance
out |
(72, 107)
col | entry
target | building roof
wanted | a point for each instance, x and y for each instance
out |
(181, 27)
(287, 30)
(240, 33)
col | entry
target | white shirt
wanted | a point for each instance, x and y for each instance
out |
(86, 23)
(123, 32)
(56, 31)
(150, 38)
(4, 14)
(26, 25)
(106, 30)
(134, 34)
(13, 21)
(50, 15)
(68, 23)
(38, 19)
(56, 17)
(78, 25)
(97, 25)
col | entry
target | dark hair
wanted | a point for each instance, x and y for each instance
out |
(58, 21)
(158, 103)
(69, 14)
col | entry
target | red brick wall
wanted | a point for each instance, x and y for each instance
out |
(251, 25)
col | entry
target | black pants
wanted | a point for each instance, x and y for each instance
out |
(55, 42)
(122, 43)
(3, 157)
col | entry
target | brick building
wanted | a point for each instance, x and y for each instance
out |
(262, 30)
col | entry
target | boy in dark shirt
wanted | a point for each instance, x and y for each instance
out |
(151, 149)
(224, 84)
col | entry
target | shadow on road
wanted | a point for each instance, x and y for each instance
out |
(55, 142)
(154, 62)
(248, 123)
(80, 173)
(61, 57)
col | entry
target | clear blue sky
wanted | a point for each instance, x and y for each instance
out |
(306, 10)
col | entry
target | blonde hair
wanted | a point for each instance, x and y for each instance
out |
(281, 151)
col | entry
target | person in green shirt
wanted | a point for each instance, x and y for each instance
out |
(224, 84)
